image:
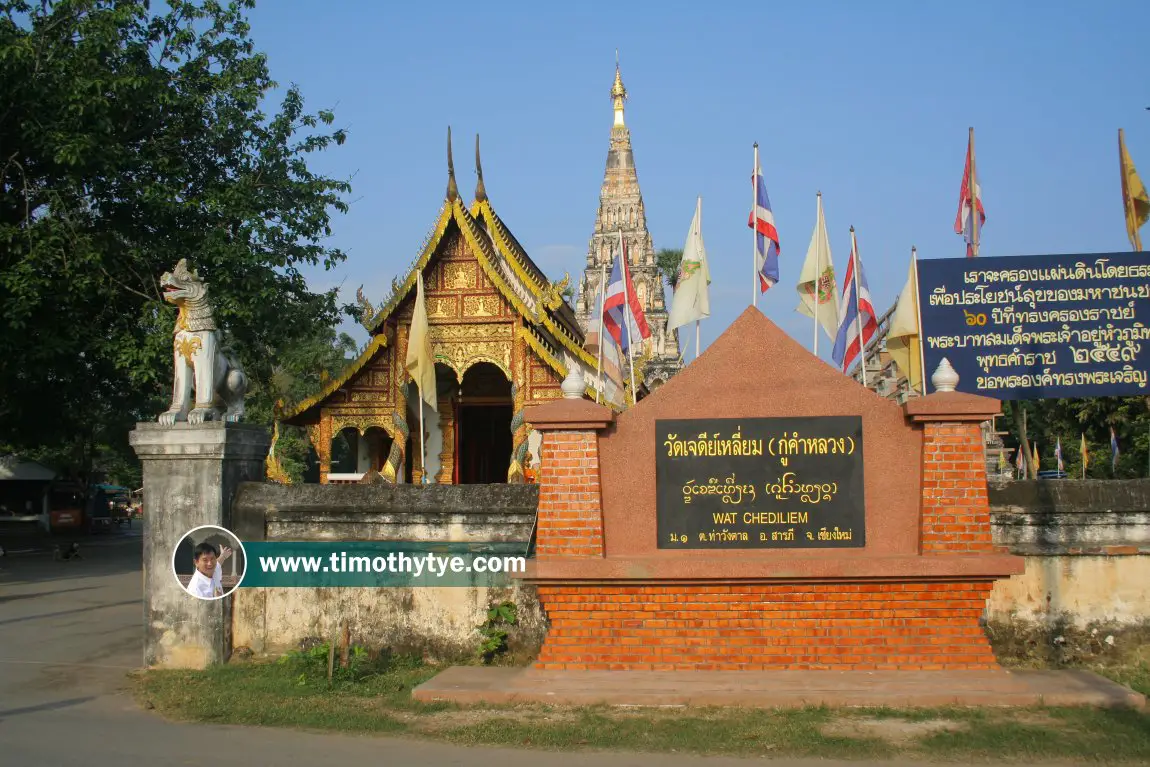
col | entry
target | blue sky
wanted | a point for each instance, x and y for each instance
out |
(868, 102)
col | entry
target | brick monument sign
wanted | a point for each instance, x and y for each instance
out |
(763, 511)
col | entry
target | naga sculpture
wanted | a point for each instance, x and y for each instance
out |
(219, 383)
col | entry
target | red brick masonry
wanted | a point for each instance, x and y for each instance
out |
(910, 599)
(569, 490)
(869, 626)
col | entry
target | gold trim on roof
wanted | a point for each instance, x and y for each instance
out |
(486, 249)
(544, 294)
(514, 256)
(433, 240)
(539, 346)
(377, 342)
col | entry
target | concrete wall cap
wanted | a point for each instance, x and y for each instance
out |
(569, 415)
(951, 406)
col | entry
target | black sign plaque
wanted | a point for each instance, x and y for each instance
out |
(760, 483)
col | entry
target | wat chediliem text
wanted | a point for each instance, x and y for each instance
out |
(760, 483)
(1035, 327)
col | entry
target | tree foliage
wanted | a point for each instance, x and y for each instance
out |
(1067, 420)
(668, 260)
(132, 136)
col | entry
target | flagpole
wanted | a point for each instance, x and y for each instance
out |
(818, 260)
(974, 200)
(858, 305)
(422, 441)
(625, 268)
(599, 361)
(916, 357)
(755, 231)
(699, 218)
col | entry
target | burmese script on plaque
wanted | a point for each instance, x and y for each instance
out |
(1039, 327)
(747, 483)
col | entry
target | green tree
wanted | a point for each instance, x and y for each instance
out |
(1067, 420)
(667, 260)
(132, 136)
(299, 372)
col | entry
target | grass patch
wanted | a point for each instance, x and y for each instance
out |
(373, 695)
(1134, 676)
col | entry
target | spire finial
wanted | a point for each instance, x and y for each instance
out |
(452, 189)
(480, 190)
(618, 93)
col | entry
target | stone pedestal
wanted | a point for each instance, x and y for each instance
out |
(191, 474)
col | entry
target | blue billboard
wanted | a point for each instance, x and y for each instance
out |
(1038, 327)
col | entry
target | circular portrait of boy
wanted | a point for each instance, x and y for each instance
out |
(209, 562)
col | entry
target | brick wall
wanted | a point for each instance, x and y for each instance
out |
(695, 617)
(868, 626)
(570, 515)
(955, 508)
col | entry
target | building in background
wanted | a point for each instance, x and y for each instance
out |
(502, 335)
(621, 210)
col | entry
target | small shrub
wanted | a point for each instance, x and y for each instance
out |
(493, 631)
(311, 664)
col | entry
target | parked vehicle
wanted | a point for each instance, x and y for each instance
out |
(1052, 474)
(66, 506)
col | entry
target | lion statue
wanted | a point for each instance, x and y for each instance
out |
(219, 383)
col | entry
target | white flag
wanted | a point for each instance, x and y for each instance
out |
(692, 301)
(420, 360)
(818, 296)
(903, 341)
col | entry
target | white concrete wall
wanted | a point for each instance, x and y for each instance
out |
(438, 622)
(1106, 589)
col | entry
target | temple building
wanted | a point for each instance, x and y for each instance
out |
(502, 336)
(621, 211)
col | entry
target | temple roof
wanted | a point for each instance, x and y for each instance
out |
(551, 326)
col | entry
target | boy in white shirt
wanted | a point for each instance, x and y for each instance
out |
(207, 580)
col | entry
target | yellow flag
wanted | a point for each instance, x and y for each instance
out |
(903, 341)
(1134, 198)
(1036, 460)
(1085, 455)
(420, 360)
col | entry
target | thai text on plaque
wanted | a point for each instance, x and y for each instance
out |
(730, 483)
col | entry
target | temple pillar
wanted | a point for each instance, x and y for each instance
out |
(393, 468)
(434, 438)
(320, 435)
(516, 471)
(447, 440)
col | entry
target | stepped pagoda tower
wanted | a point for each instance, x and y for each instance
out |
(621, 210)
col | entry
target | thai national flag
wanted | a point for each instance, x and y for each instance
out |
(1113, 450)
(964, 221)
(762, 220)
(622, 312)
(856, 304)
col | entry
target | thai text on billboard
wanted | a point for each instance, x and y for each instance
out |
(1038, 327)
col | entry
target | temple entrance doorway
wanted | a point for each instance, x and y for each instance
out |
(483, 426)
